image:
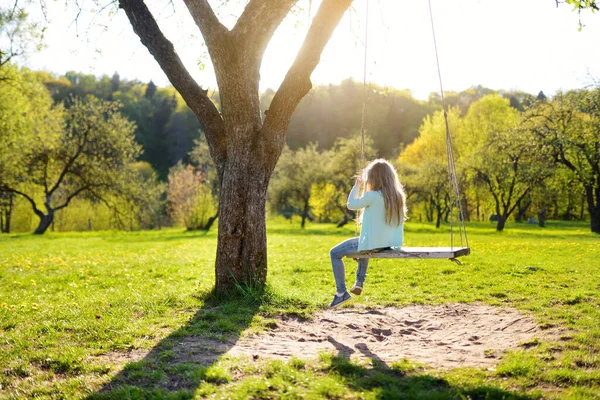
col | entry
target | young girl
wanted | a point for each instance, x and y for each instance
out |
(384, 204)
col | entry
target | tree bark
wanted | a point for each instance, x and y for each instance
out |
(521, 210)
(501, 223)
(593, 208)
(45, 222)
(304, 213)
(210, 222)
(343, 222)
(242, 239)
(438, 221)
(542, 218)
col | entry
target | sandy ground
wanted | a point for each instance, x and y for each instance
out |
(443, 336)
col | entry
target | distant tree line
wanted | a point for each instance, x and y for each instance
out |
(513, 158)
(518, 156)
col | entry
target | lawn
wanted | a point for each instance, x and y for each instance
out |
(75, 306)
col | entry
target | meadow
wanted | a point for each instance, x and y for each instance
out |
(75, 306)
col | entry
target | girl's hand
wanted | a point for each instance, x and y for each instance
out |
(360, 179)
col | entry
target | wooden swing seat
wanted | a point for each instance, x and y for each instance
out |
(414, 252)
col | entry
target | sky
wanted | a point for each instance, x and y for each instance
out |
(527, 45)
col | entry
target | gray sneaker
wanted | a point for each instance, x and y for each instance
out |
(338, 300)
(356, 289)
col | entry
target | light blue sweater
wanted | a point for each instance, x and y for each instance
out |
(375, 232)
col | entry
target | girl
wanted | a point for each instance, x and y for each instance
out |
(384, 204)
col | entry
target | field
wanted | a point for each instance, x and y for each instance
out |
(98, 315)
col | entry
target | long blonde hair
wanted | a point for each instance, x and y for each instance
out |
(381, 175)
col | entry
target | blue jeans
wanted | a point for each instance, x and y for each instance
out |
(348, 246)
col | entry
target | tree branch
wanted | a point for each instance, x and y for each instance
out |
(510, 211)
(31, 201)
(258, 23)
(70, 197)
(297, 81)
(68, 165)
(204, 16)
(196, 98)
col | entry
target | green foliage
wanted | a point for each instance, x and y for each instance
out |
(321, 204)
(292, 181)
(190, 199)
(582, 5)
(566, 129)
(18, 36)
(26, 118)
(331, 112)
(423, 165)
(500, 155)
(165, 127)
(86, 149)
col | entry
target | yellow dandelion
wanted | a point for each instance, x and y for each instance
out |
(3, 305)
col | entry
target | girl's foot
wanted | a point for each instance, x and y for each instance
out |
(356, 289)
(338, 300)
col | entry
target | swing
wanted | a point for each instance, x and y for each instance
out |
(454, 251)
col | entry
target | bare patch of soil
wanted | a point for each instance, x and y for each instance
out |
(444, 336)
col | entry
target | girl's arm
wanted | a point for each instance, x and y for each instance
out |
(356, 203)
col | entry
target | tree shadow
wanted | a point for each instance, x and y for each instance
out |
(403, 380)
(179, 364)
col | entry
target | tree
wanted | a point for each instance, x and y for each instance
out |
(17, 36)
(581, 5)
(190, 201)
(320, 202)
(344, 162)
(87, 154)
(244, 147)
(293, 180)
(423, 164)
(500, 155)
(25, 114)
(568, 129)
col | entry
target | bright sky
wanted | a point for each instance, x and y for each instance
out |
(512, 44)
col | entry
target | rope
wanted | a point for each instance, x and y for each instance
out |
(364, 100)
(454, 191)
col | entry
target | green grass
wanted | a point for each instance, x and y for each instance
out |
(71, 303)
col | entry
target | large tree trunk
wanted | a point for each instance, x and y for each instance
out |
(501, 223)
(521, 210)
(593, 207)
(242, 239)
(595, 219)
(45, 222)
(304, 214)
(438, 221)
(6, 212)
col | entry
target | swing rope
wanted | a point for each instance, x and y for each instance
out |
(454, 190)
(364, 99)
(364, 103)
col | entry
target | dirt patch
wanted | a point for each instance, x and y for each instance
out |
(444, 336)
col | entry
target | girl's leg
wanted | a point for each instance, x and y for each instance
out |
(348, 246)
(361, 272)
